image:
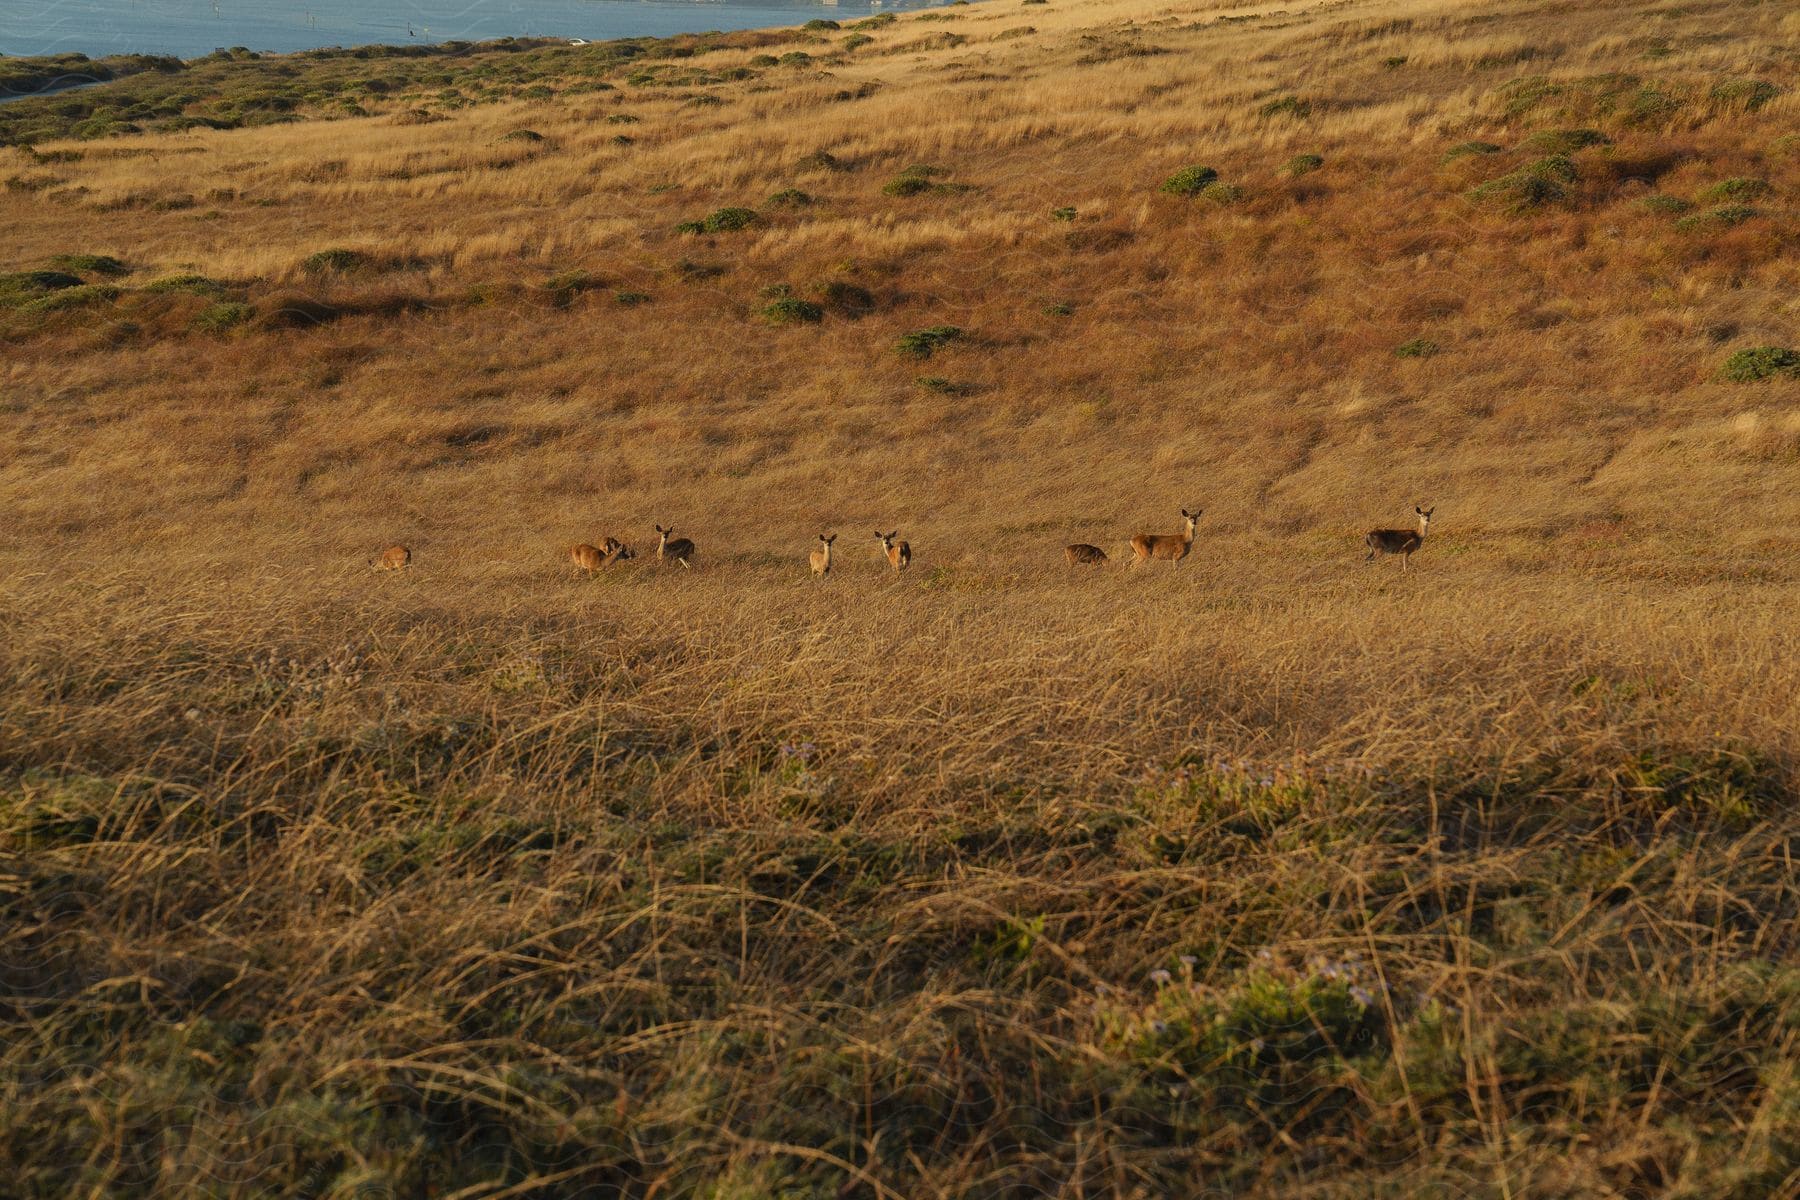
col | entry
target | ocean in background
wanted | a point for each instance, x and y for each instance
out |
(190, 28)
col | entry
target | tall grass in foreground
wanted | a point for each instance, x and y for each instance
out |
(743, 884)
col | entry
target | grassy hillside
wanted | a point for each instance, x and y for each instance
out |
(1269, 873)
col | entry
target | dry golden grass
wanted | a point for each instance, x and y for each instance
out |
(487, 878)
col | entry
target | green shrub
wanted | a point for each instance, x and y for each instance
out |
(821, 160)
(1304, 164)
(94, 264)
(795, 58)
(940, 385)
(217, 318)
(791, 310)
(857, 40)
(1740, 190)
(923, 343)
(790, 198)
(340, 261)
(1723, 217)
(1565, 141)
(198, 285)
(918, 178)
(764, 60)
(622, 119)
(1394, 62)
(821, 23)
(1222, 193)
(1746, 94)
(1417, 348)
(631, 299)
(724, 220)
(1287, 106)
(1465, 149)
(523, 135)
(1062, 214)
(1059, 309)
(1545, 181)
(76, 297)
(1189, 181)
(1759, 363)
(22, 287)
(875, 22)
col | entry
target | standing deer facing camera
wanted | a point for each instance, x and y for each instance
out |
(669, 549)
(1398, 541)
(1172, 546)
(392, 559)
(898, 554)
(821, 558)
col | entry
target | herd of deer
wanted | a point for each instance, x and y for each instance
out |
(1171, 547)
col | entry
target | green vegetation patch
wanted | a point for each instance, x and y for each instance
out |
(1565, 141)
(335, 261)
(791, 310)
(1715, 219)
(923, 343)
(217, 318)
(1739, 190)
(1543, 182)
(22, 287)
(1287, 106)
(1758, 363)
(1189, 181)
(1417, 348)
(1746, 95)
(1304, 164)
(198, 285)
(91, 264)
(1466, 149)
(724, 220)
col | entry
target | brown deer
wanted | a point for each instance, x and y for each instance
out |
(1398, 541)
(1172, 546)
(392, 559)
(898, 554)
(821, 558)
(1081, 553)
(669, 549)
(592, 558)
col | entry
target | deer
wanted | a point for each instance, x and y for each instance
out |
(1172, 546)
(592, 558)
(1081, 553)
(392, 559)
(1398, 541)
(821, 558)
(673, 549)
(898, 554)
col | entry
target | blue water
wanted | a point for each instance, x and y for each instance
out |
(190, 28)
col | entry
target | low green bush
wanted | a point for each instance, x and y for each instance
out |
(1746, 94)
(790, 198)
(923, 343)
(791, 310)
(631, 299)
(1189, 181)
(857, 40)
(1304, 164)
(1062, 214)
(1713, 219)
(217, 318)
(1417, 348)
(1545, 181)
(1565, 141)
(1760, 362)
(198, 285)
(1739, 190)
(93, 264)
(1287, 106)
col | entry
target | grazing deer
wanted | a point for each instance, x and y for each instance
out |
(679, 550)
(898, 554)
(592, 558)
(1172, 546)
(1081, 552)
(1398, 541)
(821, 558)
(392, 559)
